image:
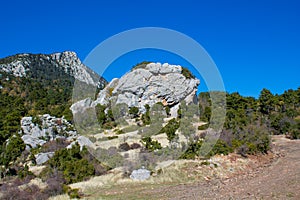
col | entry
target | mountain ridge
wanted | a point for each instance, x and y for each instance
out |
(50, 66)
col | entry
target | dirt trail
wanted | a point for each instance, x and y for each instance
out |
(279, 179)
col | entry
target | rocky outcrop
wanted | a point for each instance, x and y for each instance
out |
(80, 106)
(82, 141)
(151, 84)
(57, 64)
(105, 94)
(38, 130)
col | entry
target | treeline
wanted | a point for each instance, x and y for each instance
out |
(250, 121)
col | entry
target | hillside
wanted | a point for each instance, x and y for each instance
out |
(272, 176)
(33, 84)
(148, 125)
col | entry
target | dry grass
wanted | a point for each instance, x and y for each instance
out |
(169, 173)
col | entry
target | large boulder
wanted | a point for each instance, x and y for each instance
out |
(150, 84)
(32, 142)
(140, 174)
(82, 141)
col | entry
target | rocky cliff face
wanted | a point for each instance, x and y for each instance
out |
(149, 84)
(50, 66)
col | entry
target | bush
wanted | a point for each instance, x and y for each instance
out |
(119, 131)
(135, 146)
(252, 140)
(295, 131)
(150, 144)
(71, 163)
(134, 111)
(112, 137)
(186, 73)
(170, 129)
(220, 148)
(124, 146)
(12, 150)
(192, 151)
(146, 118)
(140, 65)
(54, 145)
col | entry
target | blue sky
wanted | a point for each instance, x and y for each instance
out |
(255, 44)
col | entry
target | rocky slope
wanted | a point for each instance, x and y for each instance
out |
(52, 66)
(37, 131)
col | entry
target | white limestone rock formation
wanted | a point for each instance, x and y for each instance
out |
(48, 128)
(22, 65)
(154, 83)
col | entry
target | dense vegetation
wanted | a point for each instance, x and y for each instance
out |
(65, 167)
(250, 121)
(22, 96)
(74, 164)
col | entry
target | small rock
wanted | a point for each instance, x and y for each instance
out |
(140, 174)
(41, 158)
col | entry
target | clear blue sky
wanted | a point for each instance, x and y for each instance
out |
(254, 43)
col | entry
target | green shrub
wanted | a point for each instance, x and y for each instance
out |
(295, 134)
(150, 144)
(186, 73)
(168, 110)
(112, 137)
(134, 111)
(12, 150)
(192, 151)
(170, 129)
(119, 131)
(146, 116)
(295, 131)
(73, 164)
(252, 140)
(73, 193)
(37, 121)
(141, 65)
(220, 148)
(24, 172)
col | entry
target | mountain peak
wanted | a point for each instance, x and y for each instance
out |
(67, 62)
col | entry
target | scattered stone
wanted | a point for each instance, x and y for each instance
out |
(50, 128)
(82, 141)
(41, 158)
(140, 174)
